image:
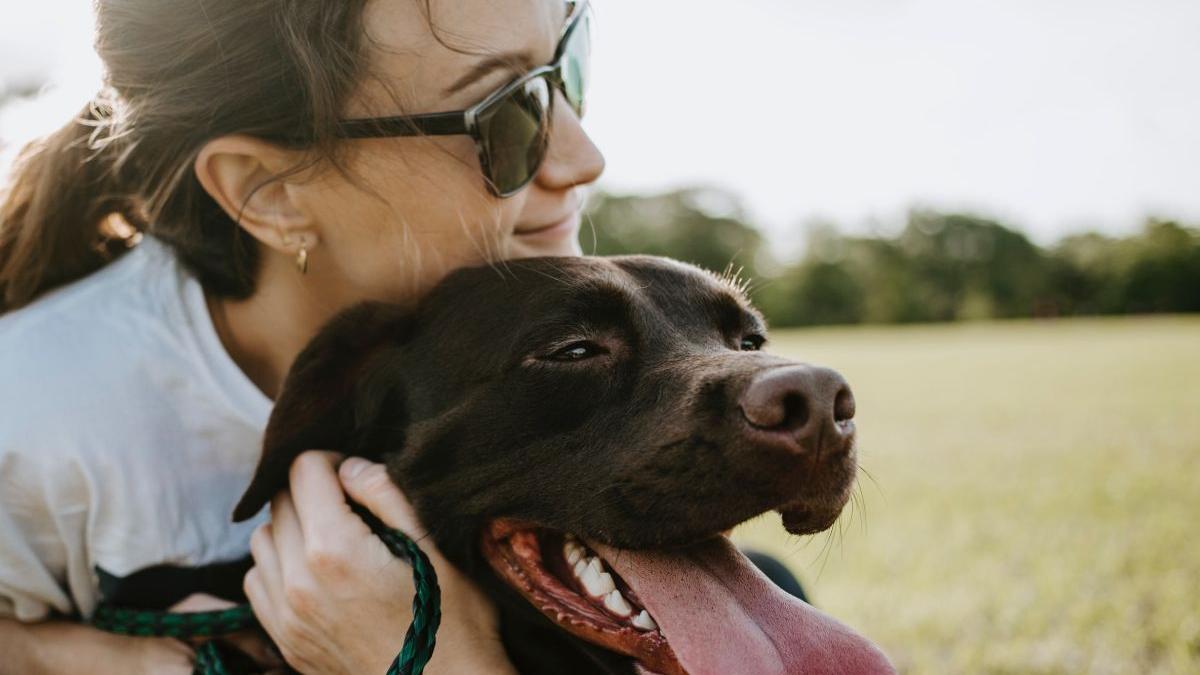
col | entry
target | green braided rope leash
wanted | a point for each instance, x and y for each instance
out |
(208, 660)
(419, 641)
(427, 602)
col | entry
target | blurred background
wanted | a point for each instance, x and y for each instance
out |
(983, 214)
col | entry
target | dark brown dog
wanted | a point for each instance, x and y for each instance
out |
(552, 409)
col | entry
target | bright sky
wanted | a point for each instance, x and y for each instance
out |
(1053, 115)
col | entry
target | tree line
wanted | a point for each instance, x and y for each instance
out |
(939, 267)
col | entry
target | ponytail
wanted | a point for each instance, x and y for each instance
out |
(75, 199)
(56, 212)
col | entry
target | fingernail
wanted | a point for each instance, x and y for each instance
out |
(352, 467)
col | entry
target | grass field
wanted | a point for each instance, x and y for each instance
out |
(1033, 498)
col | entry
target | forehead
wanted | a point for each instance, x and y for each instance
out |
(417, 48)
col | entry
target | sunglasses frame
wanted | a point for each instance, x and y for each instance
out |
(456, 122)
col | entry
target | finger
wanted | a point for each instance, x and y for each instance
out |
(368, 484)
(266, 570)
(291, 545)
(317, 495)
(261, 602)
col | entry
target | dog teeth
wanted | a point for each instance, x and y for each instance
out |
(617, 604)
(606, 585)
(591, 583)
(600, 585)
(585, 572)
(643, 621)
(595, 581)
(572, 551)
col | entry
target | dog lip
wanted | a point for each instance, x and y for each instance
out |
(518, 553)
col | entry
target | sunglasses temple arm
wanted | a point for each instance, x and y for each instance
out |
(434, 124)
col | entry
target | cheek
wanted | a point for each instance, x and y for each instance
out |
(420, 210)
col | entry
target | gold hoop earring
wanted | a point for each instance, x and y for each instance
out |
(302, 260)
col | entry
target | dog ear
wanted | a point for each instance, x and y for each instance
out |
(335, 388)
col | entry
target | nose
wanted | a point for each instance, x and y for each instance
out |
(804, 409)
(571, 156)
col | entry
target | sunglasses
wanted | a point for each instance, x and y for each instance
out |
(511, 127)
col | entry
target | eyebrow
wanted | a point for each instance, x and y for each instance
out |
(507, 60)
(485, 67)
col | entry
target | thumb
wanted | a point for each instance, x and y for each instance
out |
(368, 484)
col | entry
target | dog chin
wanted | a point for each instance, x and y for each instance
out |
(810, 515)
(803, 520)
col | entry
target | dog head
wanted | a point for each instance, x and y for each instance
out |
(560, 414)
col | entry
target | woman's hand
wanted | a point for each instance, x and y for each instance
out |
(335, 599)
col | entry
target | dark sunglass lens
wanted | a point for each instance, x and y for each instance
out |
(576, 62)
(514, 134)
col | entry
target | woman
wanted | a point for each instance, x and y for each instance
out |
(136, 383)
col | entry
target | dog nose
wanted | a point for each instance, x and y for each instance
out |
(805, 408)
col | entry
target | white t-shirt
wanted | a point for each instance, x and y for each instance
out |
(127, 434)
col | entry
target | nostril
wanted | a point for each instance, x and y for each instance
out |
(843, 405)
(795, 411)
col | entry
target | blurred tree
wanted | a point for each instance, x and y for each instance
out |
(1165, 273)
(941, 267)
(960, 259)
(13, 89)
(704, 226)
(814, 292)
(1157, 270)
(821, 289)
(1087, 271)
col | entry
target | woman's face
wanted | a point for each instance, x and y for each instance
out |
(412, 209)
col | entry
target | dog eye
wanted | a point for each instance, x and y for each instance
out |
(753, 342)
(577, 351)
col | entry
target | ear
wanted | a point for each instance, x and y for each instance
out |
(336, 388)
(248, 178)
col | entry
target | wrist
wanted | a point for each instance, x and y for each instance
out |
(488, 662)
(375, 661)
(470, 653)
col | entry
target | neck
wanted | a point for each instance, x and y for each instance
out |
(265, 332)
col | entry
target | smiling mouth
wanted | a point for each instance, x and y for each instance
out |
(698, 609)
(576, 589)
(563, 224)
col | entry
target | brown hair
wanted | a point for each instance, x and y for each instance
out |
(179, 73)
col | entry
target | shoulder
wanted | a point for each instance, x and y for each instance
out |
(136, 280)
(88, 349)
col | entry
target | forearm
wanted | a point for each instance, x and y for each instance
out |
(52, 647)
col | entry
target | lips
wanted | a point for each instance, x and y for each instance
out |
(557, 226)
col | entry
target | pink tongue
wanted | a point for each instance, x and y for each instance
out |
(721, 615)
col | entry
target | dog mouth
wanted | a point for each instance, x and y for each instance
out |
(578, 590)
(694, 610)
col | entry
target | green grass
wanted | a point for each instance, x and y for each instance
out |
(1033, 495)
